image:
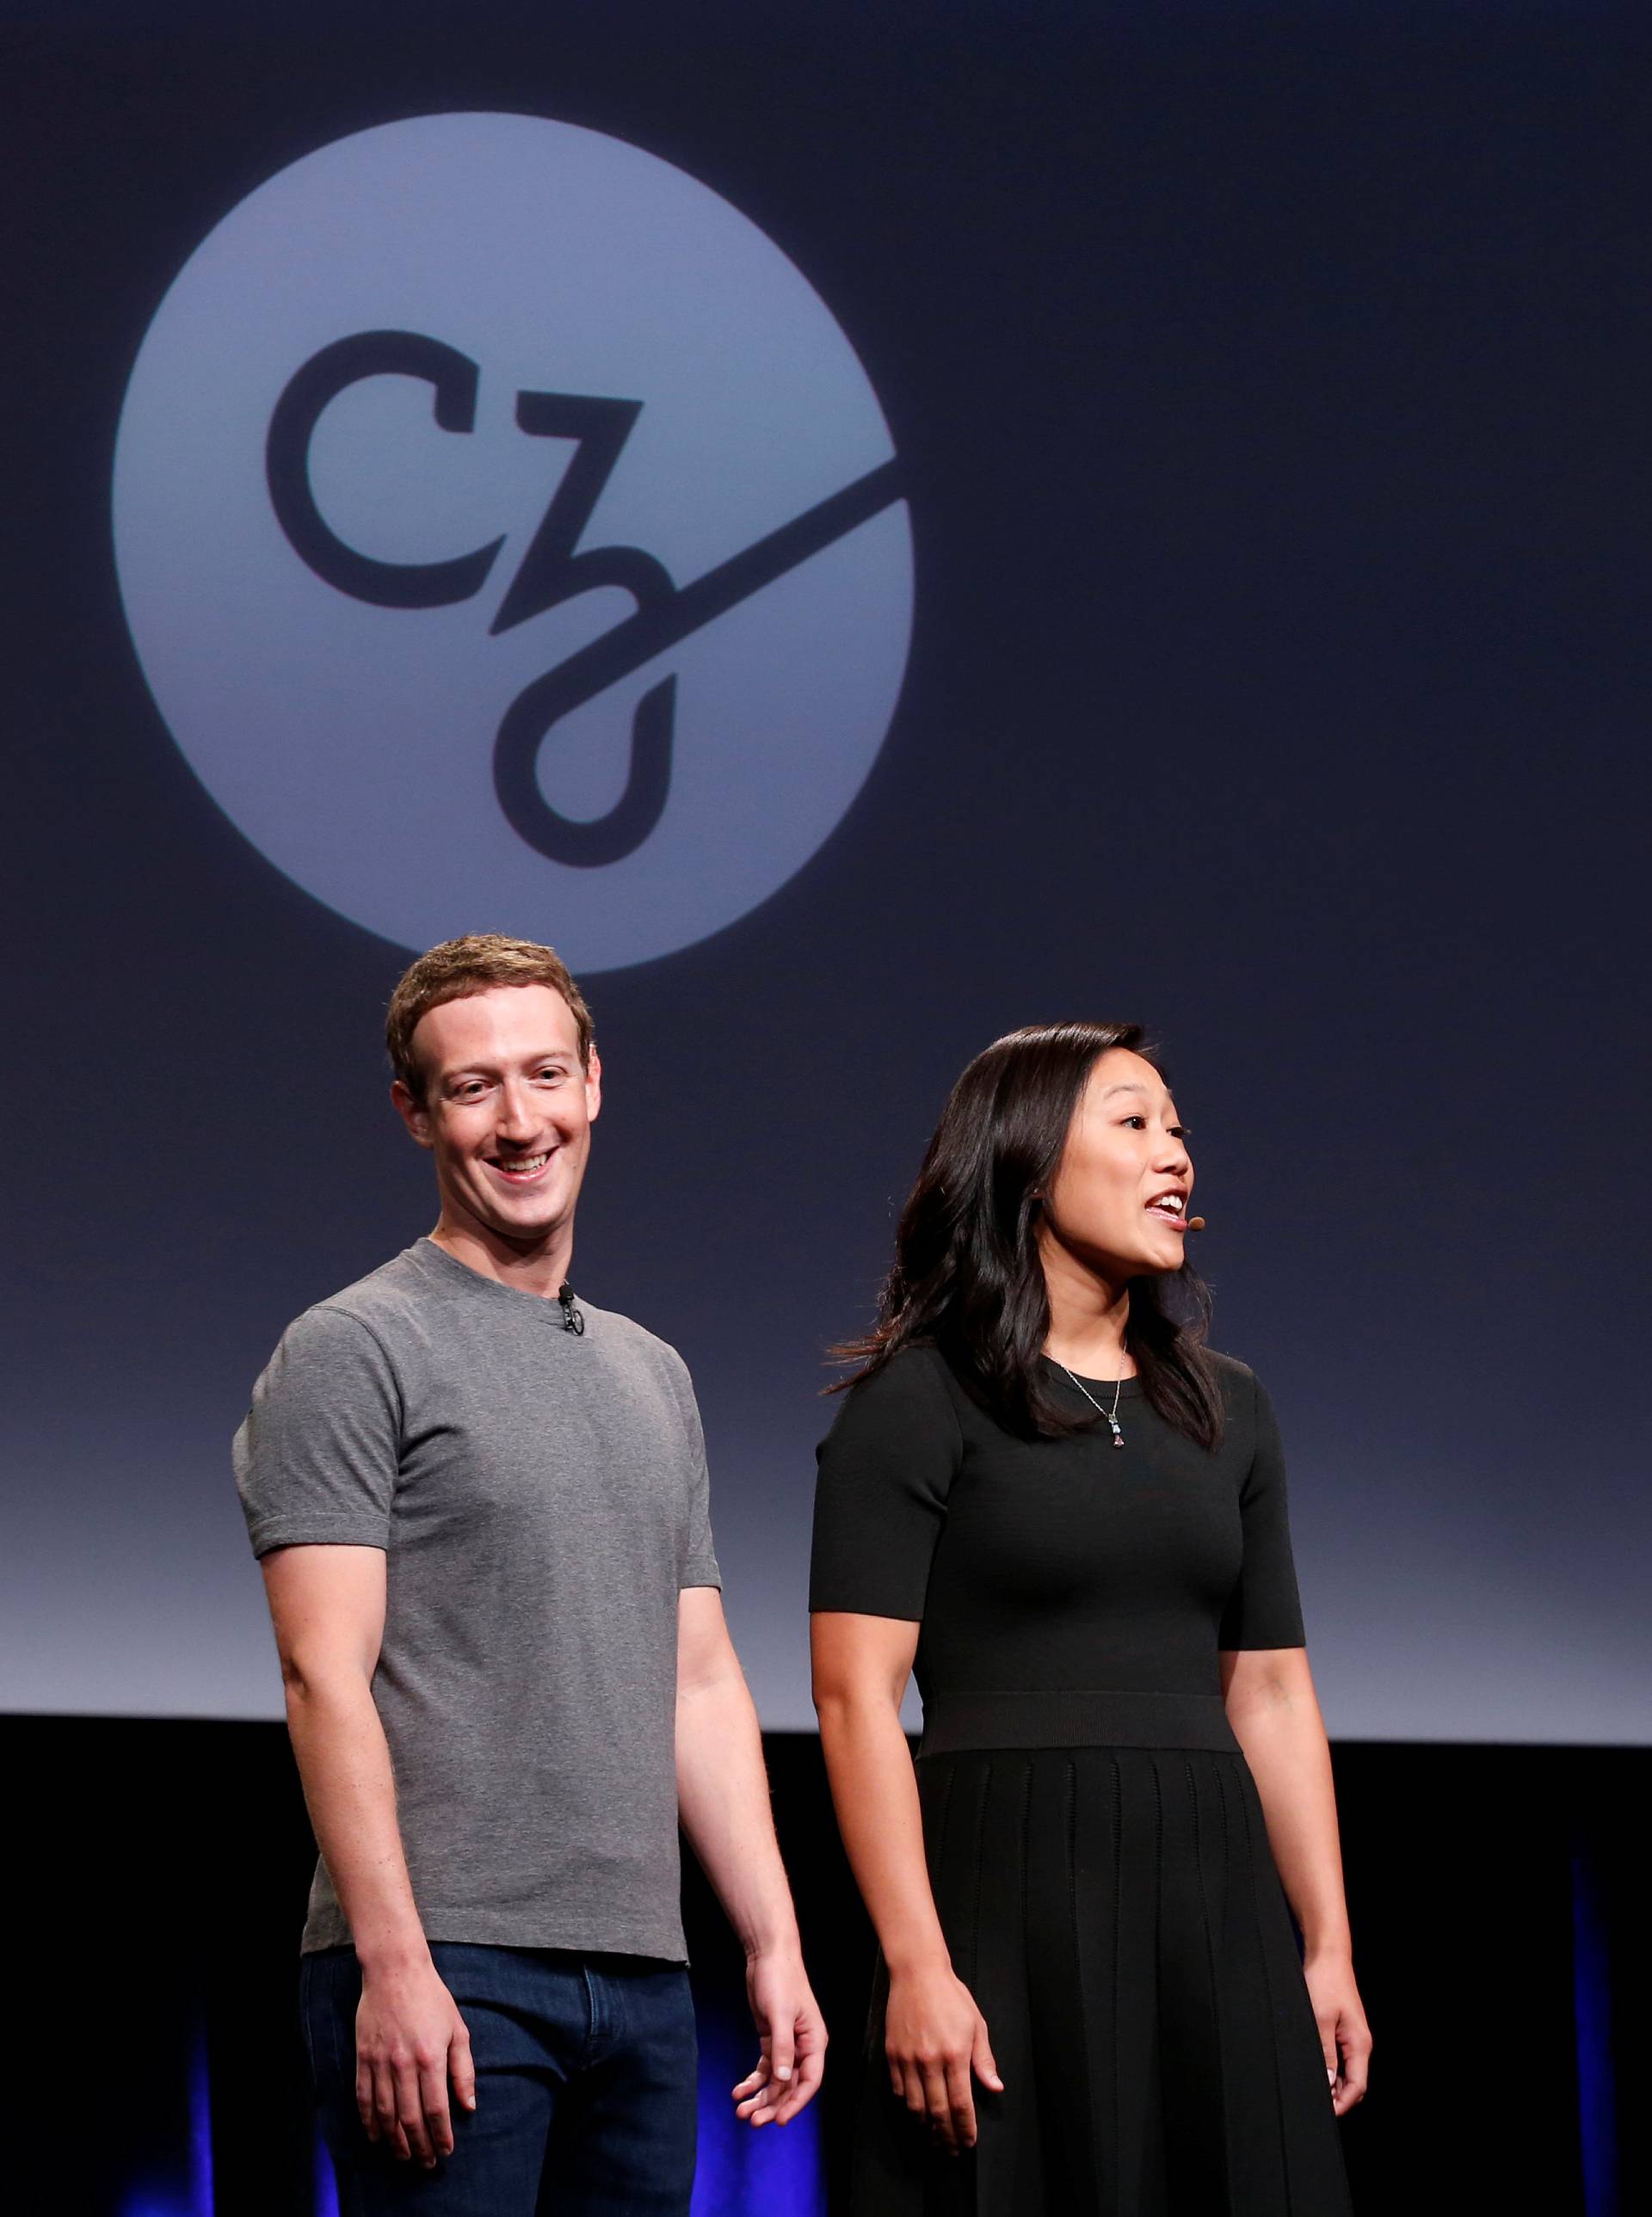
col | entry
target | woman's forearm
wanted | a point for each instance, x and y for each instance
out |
(1279, 1728)
(875, 1791)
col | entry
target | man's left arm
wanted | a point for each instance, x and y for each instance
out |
(723, 1792)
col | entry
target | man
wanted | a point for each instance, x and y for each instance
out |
(481, 1510)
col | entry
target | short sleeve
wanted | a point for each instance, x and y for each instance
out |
(697, 1557)
(1263, 1610)
(317, 1457)
(885, 1470)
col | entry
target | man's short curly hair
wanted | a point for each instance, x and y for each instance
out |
(461, 967)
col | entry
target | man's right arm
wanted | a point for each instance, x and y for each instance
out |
(327, 1604)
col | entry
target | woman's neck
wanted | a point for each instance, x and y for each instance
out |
(1088, 1315)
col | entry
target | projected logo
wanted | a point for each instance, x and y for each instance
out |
(511, 540)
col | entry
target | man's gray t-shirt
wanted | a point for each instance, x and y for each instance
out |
(541, 1499)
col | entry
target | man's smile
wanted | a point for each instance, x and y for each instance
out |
(521, 1169)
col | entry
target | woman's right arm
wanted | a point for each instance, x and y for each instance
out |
(934, 2036)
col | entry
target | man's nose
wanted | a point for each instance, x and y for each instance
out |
(518, 1118)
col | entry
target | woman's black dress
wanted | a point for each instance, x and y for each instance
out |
(1094, 1838)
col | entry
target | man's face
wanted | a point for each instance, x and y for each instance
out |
(506, 1110)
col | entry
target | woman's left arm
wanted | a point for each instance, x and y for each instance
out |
(1276, 1719)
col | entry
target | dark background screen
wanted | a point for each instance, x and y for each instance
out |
(1268, 391)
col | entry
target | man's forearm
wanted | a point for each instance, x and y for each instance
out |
(723, 1791)
(350, 1787)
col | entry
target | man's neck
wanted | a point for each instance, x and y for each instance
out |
(541, 1268)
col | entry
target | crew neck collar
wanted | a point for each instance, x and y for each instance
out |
(434, 1257)
(1127, 1389)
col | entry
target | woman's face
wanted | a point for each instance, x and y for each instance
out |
(1118, 1200)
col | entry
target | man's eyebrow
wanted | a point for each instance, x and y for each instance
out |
(492, 1069)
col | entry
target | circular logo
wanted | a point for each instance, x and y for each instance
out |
(511, 541)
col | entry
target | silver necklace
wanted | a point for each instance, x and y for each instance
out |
(1111, 1414)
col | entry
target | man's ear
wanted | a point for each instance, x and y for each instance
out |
(593, 1085)
(412, 1112)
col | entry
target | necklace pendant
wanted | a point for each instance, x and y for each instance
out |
(1118, 1437)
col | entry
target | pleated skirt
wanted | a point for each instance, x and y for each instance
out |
(1114, 1910)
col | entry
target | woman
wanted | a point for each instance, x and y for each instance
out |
(1048, 1496)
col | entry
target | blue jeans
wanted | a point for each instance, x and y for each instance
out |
(585, 2087)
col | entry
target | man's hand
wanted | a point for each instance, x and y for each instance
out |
(794, 2036)
(410, 2040)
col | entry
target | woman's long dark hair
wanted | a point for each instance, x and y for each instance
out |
(967, 1278)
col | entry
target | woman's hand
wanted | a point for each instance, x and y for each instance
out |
(1344, 2035)
(933, 2037)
